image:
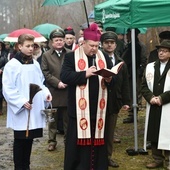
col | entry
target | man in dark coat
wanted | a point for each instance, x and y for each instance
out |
(156, 91)
(87, 98)
(140, 66)
(70, 38)
(120, 45)
(119, 94)
(153, 56)
(51, 63)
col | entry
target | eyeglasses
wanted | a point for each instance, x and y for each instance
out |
(163, 50)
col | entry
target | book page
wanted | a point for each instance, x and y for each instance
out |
(117, 67)
(109, 72)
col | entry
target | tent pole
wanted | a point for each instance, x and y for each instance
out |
(134, 88)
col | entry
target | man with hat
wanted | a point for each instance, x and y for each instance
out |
(118, 93)
(120, 45)
(156, 91)
(153, 56)
(85, 147)
(51, 63)
(70, 38)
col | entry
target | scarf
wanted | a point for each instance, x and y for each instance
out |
(163, 141)
(24, 59)
(82, 102)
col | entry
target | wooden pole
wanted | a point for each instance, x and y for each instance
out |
(28, 122)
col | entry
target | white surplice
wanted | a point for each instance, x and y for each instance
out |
(16, 80)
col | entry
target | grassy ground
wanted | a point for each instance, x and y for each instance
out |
(54, 160)
(41, 159)
(126, 134)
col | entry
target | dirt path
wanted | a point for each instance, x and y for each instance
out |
(41, 158)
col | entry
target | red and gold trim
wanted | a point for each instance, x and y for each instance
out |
(82, 102)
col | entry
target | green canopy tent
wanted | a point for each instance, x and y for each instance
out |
(134, 14)
(119, 30)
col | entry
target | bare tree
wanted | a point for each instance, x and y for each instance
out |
(29, 13)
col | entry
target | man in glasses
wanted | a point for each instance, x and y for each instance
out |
(156, 91)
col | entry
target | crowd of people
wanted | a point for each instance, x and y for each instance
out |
(87, 105)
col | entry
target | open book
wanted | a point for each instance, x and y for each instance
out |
(109, 72)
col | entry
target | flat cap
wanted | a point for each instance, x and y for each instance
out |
(165, 35)
(57, 33)
(109, 35)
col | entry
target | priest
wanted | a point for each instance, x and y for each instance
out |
(87, 100)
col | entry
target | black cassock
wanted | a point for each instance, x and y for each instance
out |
(78, 157)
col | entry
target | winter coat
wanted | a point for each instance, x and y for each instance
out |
(119, 93)
(51, 67)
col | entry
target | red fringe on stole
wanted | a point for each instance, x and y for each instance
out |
(84, 142)
(98, 142)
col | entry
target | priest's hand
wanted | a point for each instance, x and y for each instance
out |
(28, 106)
(90, 70)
